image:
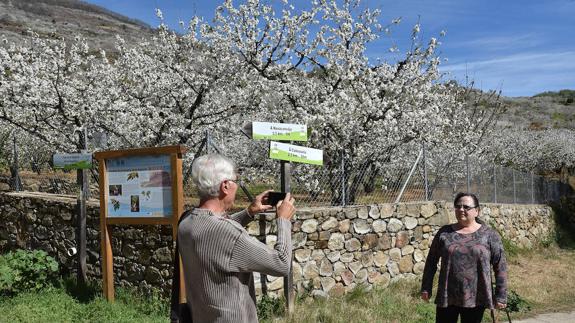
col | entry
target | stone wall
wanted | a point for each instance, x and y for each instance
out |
(335, 249)
(142, 254)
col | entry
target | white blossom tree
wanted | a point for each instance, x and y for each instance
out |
(252, 63)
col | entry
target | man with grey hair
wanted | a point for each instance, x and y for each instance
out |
(219, 255)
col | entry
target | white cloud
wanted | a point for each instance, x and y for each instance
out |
(520, 74)
(502, 42)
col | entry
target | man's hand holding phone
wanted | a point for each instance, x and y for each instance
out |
(285, 208)
(260, 204)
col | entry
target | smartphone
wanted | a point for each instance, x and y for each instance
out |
(275, 197)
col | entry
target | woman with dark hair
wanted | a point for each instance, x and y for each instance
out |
(467, 249)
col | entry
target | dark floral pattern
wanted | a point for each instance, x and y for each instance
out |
(465, 275)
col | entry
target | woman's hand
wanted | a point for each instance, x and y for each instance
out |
(425, 296)
(500, 306)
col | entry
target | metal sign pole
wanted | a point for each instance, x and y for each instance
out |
(285, 169)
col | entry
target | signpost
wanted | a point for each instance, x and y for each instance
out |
(286, 153)
(81, 161)
(72, 161)
(138, 187)
(279, 131)
(295, 153)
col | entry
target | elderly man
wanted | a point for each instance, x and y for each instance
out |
(219, 255)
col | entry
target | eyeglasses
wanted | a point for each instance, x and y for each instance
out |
(465, 207)
(237, 180)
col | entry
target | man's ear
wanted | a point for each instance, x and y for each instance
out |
(224, 187)
(223, 190)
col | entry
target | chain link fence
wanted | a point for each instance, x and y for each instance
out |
(498, 184)
(396, 176)
(413, 180)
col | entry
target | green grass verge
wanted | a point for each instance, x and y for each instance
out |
(65, 304)
(399, 302)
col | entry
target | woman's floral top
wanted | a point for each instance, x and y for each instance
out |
(465, 275)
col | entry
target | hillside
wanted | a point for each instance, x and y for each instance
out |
(542, 111)
(66, 18)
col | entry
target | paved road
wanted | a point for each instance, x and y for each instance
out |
(547, 318)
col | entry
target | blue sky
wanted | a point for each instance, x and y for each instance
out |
(522, 47)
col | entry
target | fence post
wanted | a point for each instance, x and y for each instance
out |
(494, 183)
(467, 170)
(83, 181)
(425, 180)
(342, 177)
(15, 172)
(514, 188)
(532, 190)
(208, 142)
(409, 176)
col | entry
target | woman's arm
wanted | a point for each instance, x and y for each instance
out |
(431, 266)
(499, 268)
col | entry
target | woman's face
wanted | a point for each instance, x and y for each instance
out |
(466, 211)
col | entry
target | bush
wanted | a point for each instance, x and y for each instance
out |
(516, 303)
(564, 216)
(269, 307)
(26, 271)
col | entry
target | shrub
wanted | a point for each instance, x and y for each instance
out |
(516, 303)
(269, 307)
(26, 271)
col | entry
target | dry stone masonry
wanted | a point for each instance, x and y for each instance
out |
(335, 248)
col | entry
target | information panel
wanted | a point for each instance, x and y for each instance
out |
(139, 186)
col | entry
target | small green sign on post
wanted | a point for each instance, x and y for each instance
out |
(295, 153)
(72, 161)
(279, 131)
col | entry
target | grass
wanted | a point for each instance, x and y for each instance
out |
(545, 278)
(72, 303)
(542, 278)
(360, 305)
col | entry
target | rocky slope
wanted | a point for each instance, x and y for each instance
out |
(542, 111)
(50, 18)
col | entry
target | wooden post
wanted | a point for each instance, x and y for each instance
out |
(105, 242)
(178, 209)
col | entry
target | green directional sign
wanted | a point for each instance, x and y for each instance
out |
(279, 131)
(295, 153)
(72, 161)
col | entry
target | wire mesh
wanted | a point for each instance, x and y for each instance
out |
(396, 175)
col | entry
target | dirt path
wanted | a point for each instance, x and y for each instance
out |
(548, 318)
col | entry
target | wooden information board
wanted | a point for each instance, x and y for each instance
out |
(141, 186)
